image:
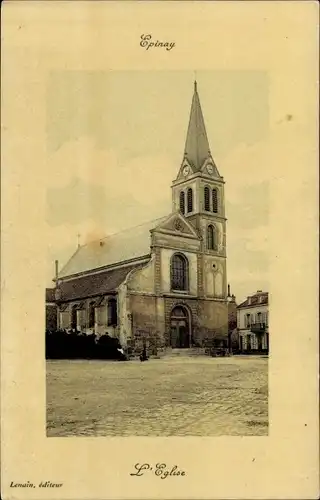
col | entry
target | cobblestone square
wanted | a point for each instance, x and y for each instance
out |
(198, 396)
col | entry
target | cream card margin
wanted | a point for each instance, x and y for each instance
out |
(279, 37)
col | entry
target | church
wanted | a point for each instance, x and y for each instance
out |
(163, 282)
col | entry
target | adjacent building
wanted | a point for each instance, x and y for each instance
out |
(253, 323)
(164, 280)
(51, 310)
(233, 338)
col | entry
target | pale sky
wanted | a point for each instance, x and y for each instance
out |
(115, 142)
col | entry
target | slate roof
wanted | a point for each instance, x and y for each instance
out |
(120, 247)
(94, 285)
(197, 148)
(255, 300)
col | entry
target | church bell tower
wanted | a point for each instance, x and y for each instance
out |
(198, 190)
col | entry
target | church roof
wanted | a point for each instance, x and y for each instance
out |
(126, 245)
(92, 285)
(197, 149)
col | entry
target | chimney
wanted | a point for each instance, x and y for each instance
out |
(56, 263)
(228, 290)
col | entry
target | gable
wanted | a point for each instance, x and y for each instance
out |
(176, 232)
(177, 225)
(185, 170)
(209, 168)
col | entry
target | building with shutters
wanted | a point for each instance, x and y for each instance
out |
(165, 280)
(253, 323)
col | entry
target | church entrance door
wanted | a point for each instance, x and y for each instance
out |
(180, 328)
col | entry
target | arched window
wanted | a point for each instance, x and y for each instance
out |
(210, 238)
(74, 317)
(206, 198)
(215, 200)
(112, 312)
(91, 315)
(190, 200)
(182, 203)
(179, 272)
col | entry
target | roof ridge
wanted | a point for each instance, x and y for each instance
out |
(124, 230)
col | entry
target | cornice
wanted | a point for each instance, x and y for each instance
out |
(198, 175)
(143, 259)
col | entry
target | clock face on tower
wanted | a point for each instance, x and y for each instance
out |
(210, 169)
(186, 170)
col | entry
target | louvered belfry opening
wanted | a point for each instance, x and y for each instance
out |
(215, 200)
(207, 198)
(190, 200)
(182, 203)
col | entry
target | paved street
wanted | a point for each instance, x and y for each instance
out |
(198, 396)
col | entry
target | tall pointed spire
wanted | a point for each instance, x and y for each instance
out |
(197, 148)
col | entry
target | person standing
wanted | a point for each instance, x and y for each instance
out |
(143, 355)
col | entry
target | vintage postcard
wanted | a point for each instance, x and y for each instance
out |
(159, 250)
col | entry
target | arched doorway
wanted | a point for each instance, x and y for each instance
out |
(180, 328)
